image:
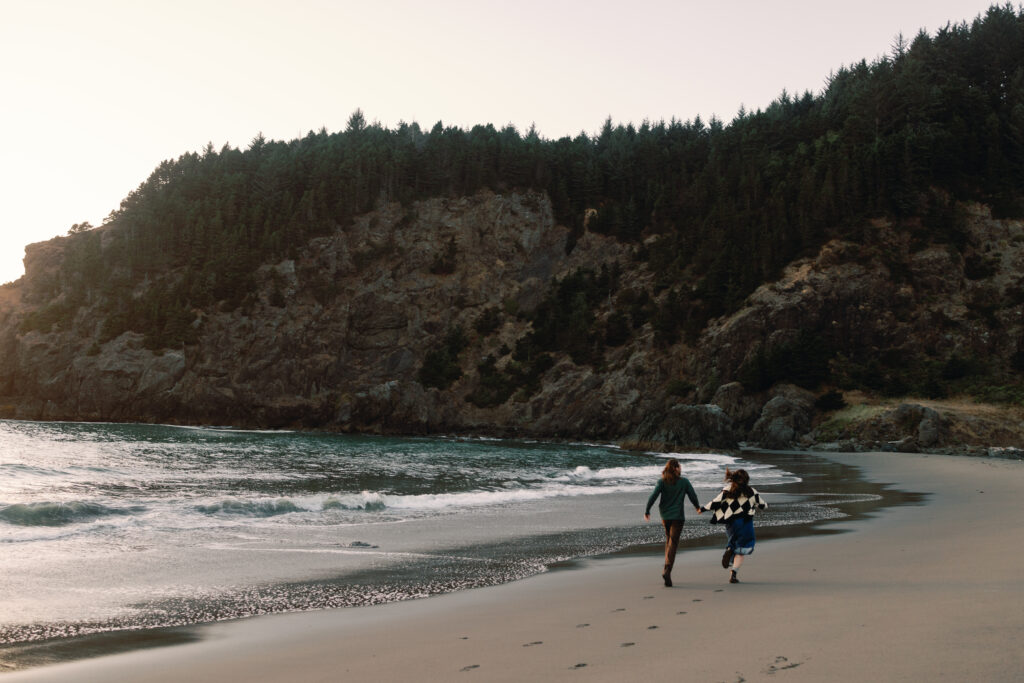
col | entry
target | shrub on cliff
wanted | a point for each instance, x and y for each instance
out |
(494, 387)
(488, 322)
(803, 361)
(441, 367)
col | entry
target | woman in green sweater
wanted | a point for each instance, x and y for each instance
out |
(672, 488)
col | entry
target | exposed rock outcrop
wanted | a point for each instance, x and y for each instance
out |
(742, 407)
(705, 426)
(337, 337)
(784, 418)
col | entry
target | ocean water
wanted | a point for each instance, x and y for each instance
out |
(108, 527)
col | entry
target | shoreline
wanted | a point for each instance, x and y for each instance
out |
(625, 443)
(885, 602)
(798, 510)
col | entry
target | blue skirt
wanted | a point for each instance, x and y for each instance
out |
(740, 533)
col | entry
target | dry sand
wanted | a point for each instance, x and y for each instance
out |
(922, 592)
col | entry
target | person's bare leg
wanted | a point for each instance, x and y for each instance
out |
(673, 529)
(737, 560)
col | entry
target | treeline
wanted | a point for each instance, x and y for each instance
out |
(940, 119)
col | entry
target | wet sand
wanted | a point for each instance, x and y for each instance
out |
(913, 592)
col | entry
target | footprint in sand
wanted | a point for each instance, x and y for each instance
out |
(651, 628)
(470, 667)
(697, 600)
(582, 625)
(648, 597)
(680, 612)
(781, 664)
(621, 609)
(719, 590)
(464, 638)
(578, 666)
(536, 642)
(627, 645)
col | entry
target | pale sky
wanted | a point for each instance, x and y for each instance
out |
(95, 93)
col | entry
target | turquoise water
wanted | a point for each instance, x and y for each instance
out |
(108, 526)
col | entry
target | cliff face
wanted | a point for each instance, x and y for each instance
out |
(889, 300)
(336, 338)
(891, 314)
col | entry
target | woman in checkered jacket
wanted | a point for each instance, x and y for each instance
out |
(735, 507)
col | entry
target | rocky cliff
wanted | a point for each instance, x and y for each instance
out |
(335, 338)
(338, 338)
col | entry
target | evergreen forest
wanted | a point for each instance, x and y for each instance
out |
(938, 120)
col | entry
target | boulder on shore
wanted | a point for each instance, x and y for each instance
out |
(683, 425)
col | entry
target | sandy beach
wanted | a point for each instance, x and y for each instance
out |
(918, 592)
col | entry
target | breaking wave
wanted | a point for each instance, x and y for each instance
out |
(61, 514)
(250, 508)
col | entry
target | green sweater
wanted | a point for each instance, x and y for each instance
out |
(672, 495)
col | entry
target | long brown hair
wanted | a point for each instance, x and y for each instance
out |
(671, 472)
(739, 483)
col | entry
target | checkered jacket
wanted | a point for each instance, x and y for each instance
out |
(730, 508)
